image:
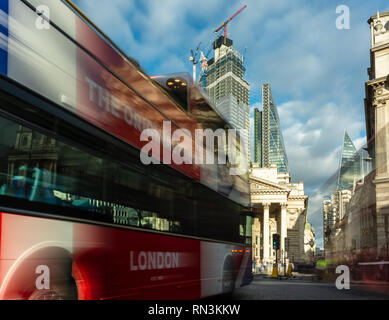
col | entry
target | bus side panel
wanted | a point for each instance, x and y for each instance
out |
(2, 268)
(108, 263)
(108, 56)
(123, 264)
(217, 261)
(42, 59)
(107, 102)
(4, 38)
(112, 263)
(27, 243)
(212, 273)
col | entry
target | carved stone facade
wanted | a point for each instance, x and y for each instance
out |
(356, 222)
(377, 122)
(279, 207)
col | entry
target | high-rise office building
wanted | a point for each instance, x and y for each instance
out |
(227, 88)
(350, 164)
(258, 136)
(269, 143)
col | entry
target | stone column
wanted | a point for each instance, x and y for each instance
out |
(382, 164)
(266, 207)
(284, 228)
(256, 234)
(301, 224)
(382, 136)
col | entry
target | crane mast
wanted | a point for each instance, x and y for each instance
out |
(225, 24)
(193, 59)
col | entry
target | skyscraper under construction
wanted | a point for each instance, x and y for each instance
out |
(227, 88)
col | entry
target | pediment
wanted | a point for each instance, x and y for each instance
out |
(262, 185)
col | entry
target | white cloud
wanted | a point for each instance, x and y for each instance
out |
(111, 19)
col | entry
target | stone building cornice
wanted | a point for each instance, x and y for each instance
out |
(259, 192)
(380, 91)
(380, 47)
(381, 180)
(379, 82)
(304, 197)
(382, 14)
(268, 184)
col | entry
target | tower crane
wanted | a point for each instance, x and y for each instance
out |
(194, 60)
(224, 24)
(204, 68)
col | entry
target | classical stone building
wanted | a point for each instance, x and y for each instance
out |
(357, 223)
(334, 210)
(309, 242)
(377, 123)
(279, 206)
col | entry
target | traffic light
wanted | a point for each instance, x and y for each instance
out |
(286, 244)
(276, 241)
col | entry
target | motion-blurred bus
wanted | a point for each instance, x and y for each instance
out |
(81, 216)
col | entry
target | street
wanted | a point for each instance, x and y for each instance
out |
(305, 289)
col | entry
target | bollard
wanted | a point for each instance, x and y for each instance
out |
(275, 271)
(289, 272)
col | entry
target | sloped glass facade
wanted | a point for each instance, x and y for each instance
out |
(350, 164)
(258, 136)
(273, 147)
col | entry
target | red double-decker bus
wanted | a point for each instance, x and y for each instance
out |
(81, 216)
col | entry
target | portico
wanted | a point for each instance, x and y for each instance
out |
(279, 206)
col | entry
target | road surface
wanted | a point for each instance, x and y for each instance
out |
(304, 289)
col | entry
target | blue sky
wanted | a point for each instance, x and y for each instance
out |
(316, 71)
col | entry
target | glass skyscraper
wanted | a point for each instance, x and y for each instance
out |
(257, 136)
(268, 140)
(350, 164)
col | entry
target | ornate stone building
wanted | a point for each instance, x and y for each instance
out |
(377, 122)
(279, 206)
(309, 242)
(360, 231)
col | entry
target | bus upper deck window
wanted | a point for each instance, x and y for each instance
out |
(177, 86)
(178, 89)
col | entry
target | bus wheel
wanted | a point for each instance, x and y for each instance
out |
(58, 291)
(228, 281)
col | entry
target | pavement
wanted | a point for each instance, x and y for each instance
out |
(295, 276)
(308, 287)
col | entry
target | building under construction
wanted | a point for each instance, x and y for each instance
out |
(227, 88)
